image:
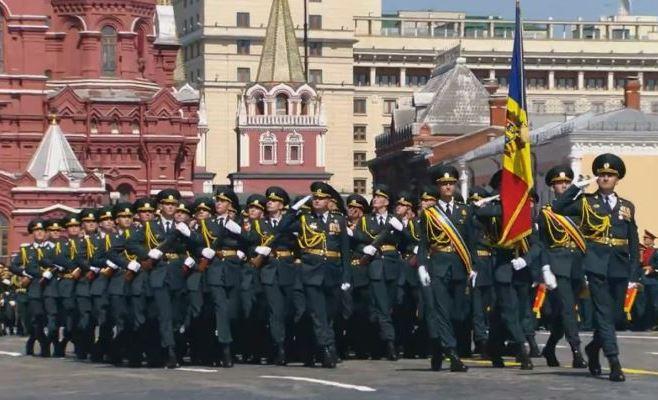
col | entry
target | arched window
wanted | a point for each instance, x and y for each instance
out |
(281, 104)
(267, 148)
(306, 101)
(294, 148)
(4, 237)
(260, 105)
(109, 51)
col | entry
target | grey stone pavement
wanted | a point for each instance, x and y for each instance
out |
(24, 377)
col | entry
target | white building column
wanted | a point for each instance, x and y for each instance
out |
(464, 180)
(581, 80)
(403, 76)
(551, 80)
(373, 76)
(611, 81)
(640, 78)
(492, 73)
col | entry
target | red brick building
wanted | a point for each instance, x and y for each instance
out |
(105, 70)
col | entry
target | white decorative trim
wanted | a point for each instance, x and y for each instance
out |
(621, 148)
(58, 206)
(267, 138)
(294, 139)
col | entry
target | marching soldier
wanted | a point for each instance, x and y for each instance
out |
(358, 327)
(564, 245)
(509, 278)
(52, 262)
(484, 238)
(444, 264)
(100, 276)
(69, 282)
(379, 234)
(87, 250)
(611, 262)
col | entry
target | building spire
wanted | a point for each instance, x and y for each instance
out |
(280, 60)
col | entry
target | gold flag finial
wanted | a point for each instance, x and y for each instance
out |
(53, 118)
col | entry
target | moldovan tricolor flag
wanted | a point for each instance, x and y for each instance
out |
(517, 167)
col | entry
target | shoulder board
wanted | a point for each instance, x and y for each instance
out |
(25, 244)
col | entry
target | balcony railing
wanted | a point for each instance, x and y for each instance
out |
(290, 120)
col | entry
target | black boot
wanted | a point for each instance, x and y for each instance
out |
(436, 362)
(172, 360)
(534, 348)
(616, 373)
(524, 358)
(29, 346)
(279, 355)
(328, 360)
(593, 362)
(578, 360)
(226, 357)
(549, 355)
(456, 365)
(391, 352)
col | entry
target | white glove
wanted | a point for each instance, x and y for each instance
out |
(519, 263)
(241, 255)
(6, 282)
(233, 227)
(263, 250)
(350, 232)
(183, 229)
(345, 287)
(416, 250)
(370, 250)
(549, 278)
(111, 264)
(301, 202)
(424, 276)
(189, 262)
(47, 274)
(585, 182)
(12, 303)
(208, 253)
(632, 285)
(396, 224)
(25, 274)
(58, 267)
(473, 276)
(134, 266)
(155, 254)
(95, 269)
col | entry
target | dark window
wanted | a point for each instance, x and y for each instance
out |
(242, 20)
(315, 76)
(315, 49)
(361, 76)
(359, 106)
(244, 75)
(315, 22)
(360, 186)
(243, 46)
(359, 133)
(109, 50)
(281, 104)
(360, 159)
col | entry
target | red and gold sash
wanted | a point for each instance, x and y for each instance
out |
(568, 226)
(437, 219)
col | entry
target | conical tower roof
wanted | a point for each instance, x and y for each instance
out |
(54, 155)
(280, 60)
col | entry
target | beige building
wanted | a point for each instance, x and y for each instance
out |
(364, 63)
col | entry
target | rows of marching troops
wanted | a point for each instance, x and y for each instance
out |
(318, 279)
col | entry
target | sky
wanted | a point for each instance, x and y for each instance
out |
(540, 9)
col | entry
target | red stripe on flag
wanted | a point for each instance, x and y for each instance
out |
(515, 201)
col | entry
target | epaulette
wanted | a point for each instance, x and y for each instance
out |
(25, 244)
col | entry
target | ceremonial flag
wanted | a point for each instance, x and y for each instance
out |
(517, 168)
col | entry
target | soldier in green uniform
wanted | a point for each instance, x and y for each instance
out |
(379, 234)
(218, 244)
(612, 257)
(100, 276)
(564, 245)
(359, 328)
(86, 251)
(444, 264)
(53, 263)
(325, 258)
(26, 266)
(484, 234)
